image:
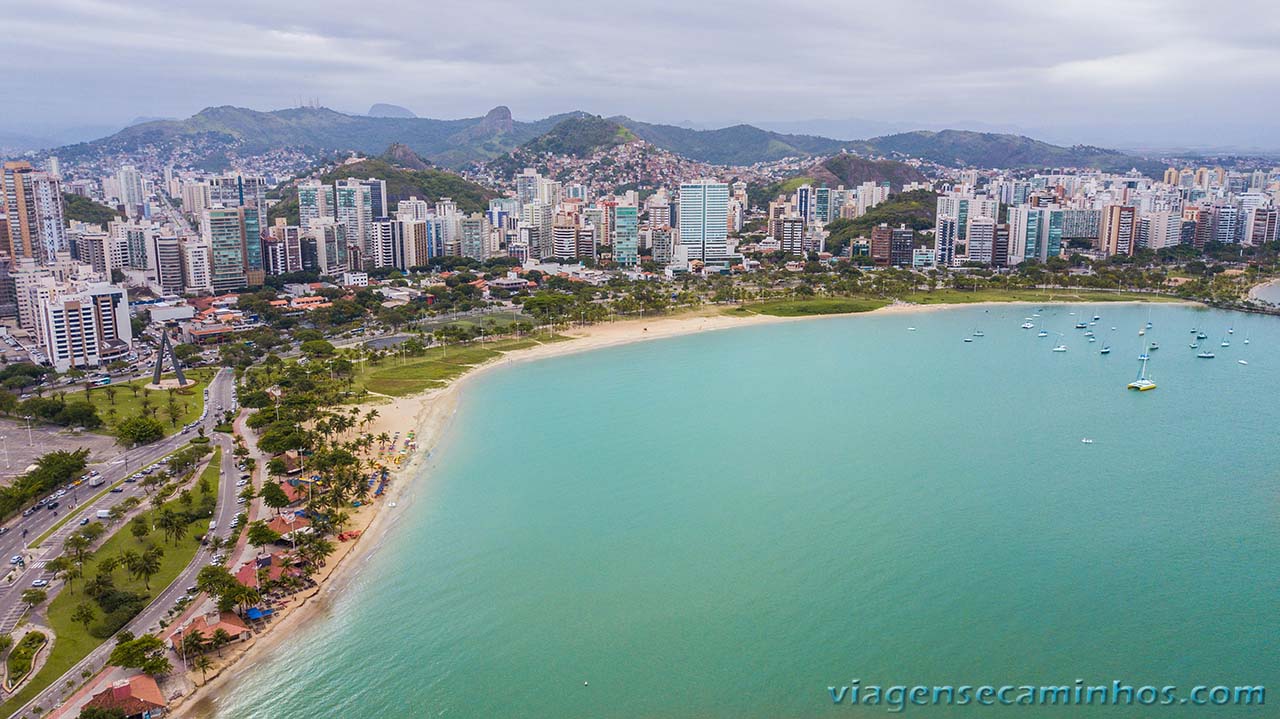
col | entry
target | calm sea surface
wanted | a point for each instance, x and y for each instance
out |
(725, 525)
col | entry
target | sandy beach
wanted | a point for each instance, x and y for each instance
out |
(429, 415)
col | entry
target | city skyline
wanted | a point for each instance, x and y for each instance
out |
(1000, 66)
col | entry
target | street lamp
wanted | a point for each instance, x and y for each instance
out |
(30, 441)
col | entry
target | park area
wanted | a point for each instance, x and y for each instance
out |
(179, 541)
(172, 407)
(399, 376)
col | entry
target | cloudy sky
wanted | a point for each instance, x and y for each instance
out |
(1106, 71)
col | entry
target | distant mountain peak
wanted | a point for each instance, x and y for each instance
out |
(382, 109)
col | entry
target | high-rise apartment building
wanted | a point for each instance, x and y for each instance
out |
(703, 209)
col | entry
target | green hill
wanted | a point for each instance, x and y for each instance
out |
(915, 209)
(82, 209)
(961, 148)
(736, 145)
(851, 170)
(429, 184)
(580, 137)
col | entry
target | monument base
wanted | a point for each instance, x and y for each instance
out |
(170, 383)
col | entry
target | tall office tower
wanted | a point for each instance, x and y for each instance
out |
(385, 240)
(1026, 234)
(1119, 230)
(564, 237)
(377, 196)
(660, 214)
(804, 202)
(132, 194)
(540, 219)
(626, 236)
(1171, 176)
(822, 205)
(196, 272)
(447, 212)
(1263, 226)
(527, 186)
(195, 198)
(354, 210)
(414, 246)
(167, 252)
(959, 207)
(871, 194)
(660, 239)
(1226, 222)
(315, 201)
(282, 249)
(1160, 229)
(980, 240)
(1000, 246)
(790, 234)
(137, 238)
(588, 239)
(238, 190)
(473, 236)
(325, 248)
(549, 191)
(33, 208)
(234, 237)
(704, 205)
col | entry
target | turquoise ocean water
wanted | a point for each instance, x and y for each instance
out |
(725, 525)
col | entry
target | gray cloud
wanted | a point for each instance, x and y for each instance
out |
(1086, 69)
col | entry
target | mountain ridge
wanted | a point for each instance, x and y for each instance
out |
(227, 130)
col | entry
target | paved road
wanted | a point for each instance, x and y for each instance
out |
(221, 391)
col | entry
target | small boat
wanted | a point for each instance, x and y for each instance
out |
(1224, 343)
(911, 329)
(1144, 356)
(1093, 339)
(1201, 335)
(1142, 332)
(968, 339)
(1193, 331)
(1193, 345)
(1106, 350)
(1081, 325)
(1154, 346)
(1060, 348)
(1142, 383)
(1241, 362)
(1027, 325)
(1042, 333)
(1086, 440)
(1089, 333)
(1246, 340)
(1206, 355)
(1230, 331)
(1097, 317)
(979, 333)
(1148, 325)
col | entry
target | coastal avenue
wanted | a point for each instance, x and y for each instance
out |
(221, 391)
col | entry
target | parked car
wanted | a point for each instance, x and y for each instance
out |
(40, 583)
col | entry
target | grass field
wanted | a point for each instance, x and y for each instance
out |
(805, 308)
(73, 641)
(438, 365)
(188, 401)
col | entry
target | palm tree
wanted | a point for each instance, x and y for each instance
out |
(149, 563)
(202, 663)
(111, 390)
(220, 639)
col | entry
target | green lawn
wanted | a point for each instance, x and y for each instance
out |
(73, 642)
(816, 306)
(435, 367)
(189, 401)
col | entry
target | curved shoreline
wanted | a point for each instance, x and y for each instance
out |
(432, 413)
(1253, 292)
